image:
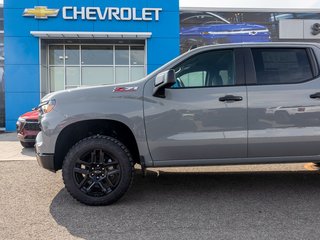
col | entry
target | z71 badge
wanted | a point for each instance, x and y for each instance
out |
(125, 89)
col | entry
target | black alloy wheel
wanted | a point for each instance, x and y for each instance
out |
(98, 170)
(96, 173)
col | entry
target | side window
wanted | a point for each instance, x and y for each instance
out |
(209, 69)
(281, 65)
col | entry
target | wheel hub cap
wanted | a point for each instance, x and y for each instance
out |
(96, 173)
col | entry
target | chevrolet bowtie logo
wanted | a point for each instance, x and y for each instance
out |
(40, 12)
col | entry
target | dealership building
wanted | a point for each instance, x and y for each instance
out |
(59, 45)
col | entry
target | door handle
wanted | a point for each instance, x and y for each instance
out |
(315, 95)
(230, 98)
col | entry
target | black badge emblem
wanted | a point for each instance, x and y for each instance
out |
(315, 29)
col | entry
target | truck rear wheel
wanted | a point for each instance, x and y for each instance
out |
(98, 170)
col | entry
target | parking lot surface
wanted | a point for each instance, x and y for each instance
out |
(233, 202)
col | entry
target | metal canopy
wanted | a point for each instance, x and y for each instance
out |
(91, 35)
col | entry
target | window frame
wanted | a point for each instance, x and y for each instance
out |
(239, 67)
(250, 68)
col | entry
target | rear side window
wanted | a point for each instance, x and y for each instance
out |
(281, 65)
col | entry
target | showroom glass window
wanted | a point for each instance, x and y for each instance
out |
(71, 66)
(281, 65)
(209, 69)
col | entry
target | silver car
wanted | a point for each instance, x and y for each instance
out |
(215, 105)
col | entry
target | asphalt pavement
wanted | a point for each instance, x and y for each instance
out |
(278, 201)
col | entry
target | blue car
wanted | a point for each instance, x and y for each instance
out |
(204, 28)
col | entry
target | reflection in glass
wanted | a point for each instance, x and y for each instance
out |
(56, 55)
(73, 76)
(194, 79)
(97, 75)
(209, 69)
(137, 73)
(72, 55)
(137, 55)
(122, 74)
(56, 78)
(97, 55)
(75, 65)
(122, 55)
(281, 65)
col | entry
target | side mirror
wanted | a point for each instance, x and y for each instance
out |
(163, 80)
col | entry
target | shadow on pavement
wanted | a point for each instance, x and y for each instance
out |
(249, 205)
(28, 152)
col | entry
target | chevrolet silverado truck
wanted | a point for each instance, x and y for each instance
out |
(209, 106)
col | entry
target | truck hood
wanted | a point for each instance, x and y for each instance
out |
(98, 102)
(33, 115)
(90, 92)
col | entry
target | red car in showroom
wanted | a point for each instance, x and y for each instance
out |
(28, 128)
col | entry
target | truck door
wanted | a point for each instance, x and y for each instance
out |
(283, 102)
(204, 115)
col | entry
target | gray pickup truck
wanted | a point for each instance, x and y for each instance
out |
(215, 105)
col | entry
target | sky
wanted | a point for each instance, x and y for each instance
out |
(313, 5)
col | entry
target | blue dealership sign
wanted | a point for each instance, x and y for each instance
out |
(23, 50)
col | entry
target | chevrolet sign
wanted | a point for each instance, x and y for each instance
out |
(111, 13)
(40, 12)
(97, 13)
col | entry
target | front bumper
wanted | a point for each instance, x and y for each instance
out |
(46, 161)
(27, 130)
(27, 136)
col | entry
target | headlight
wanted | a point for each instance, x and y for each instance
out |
(20, 119)
(20, 123)
(47, 106)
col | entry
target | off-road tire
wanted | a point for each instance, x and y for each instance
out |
(113, 149)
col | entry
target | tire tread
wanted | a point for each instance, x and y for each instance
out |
(99, 137)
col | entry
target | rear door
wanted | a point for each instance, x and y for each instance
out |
(283, 102)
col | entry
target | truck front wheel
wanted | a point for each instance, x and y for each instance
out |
(98, 170)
